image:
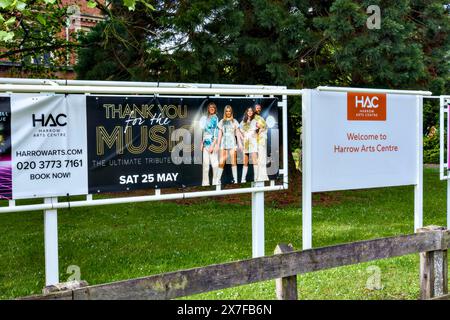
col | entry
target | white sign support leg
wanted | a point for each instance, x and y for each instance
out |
(285, 142)
(443, 165)
(306, 171)
(51, 244)
(448, 204)
(258, 222)
(418, 189)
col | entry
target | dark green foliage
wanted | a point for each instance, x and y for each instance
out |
(114, 61)
(408, 51)
(116, 48)
(431, 146)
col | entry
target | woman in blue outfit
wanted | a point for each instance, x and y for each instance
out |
(209, 142)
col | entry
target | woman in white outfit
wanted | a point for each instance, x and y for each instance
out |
(209, 141)
(249, 129)
(229, 139)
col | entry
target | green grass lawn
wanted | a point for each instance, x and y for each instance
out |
(111, 243)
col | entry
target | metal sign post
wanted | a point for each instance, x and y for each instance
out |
(306, 172)
(258, 222)
(51, 244)
(418, 188)
(444, 105)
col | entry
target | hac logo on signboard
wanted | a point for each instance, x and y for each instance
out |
(50, 120)
(366, 106)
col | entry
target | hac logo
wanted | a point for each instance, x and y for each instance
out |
(366, 102)
(50, 120)
(363, 106)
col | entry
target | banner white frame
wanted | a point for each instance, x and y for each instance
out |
(307, 156)
(31, 85)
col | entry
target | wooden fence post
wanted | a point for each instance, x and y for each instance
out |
(434, 268)
(64, 286)
(286, 288)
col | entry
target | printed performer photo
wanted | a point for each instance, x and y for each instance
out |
(229, 140)
(209, 142)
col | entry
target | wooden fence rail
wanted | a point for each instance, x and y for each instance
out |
(431, 242)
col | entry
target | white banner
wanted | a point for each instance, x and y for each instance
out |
(363, 140)
(48, 145)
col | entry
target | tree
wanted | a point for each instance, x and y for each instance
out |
(408, 51)
(117, 49)
(32, 32)
(29, 32)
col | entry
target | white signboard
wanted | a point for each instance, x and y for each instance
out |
(363, 140)
(48, 145)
